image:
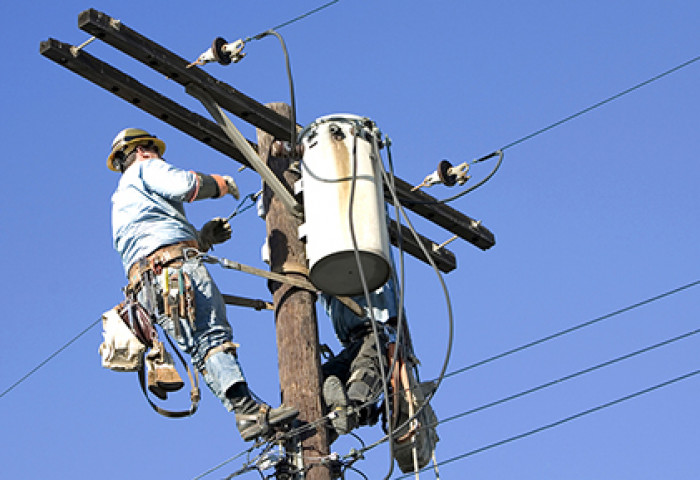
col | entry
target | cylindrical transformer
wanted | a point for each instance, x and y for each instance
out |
(340, 164)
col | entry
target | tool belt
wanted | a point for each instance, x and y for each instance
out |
(158, 287)
(167, 289)
(163, 257)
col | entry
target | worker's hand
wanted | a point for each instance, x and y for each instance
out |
(232, 187)
(217, 230)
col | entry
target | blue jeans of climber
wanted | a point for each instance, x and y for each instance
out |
(211, 329)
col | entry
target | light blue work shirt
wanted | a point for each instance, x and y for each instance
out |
(147, 209)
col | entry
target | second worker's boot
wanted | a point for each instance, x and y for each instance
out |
(338, 403)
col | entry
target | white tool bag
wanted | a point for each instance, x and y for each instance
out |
(121, 351)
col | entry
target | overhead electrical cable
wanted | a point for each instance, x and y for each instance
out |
(224, 463)
(554, 382)
(569, 377)
(563, 420)
(601, 103)
(572, 329)
(322, 420)
(295, 19)
(50, 357)
(553, 125)
(580, 326)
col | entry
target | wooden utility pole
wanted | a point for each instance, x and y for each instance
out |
(295, 316)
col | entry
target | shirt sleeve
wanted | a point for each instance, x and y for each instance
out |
(169, 181)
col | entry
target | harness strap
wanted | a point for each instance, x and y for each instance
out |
(229, 347)
(161, 257)
(302, 283)
(194, 392)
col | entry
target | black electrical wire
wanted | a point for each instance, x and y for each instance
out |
(292, 96)
(365, 289)
(49, 358)
(562, 121)
(568, 377)
(224, 463)
(397, 204)
(600, 104)
(430, 260)
(295, 19)
(358, 472)
(550, 337)
(441, 375)
(574, 328)
(563, 420)
(322, 420)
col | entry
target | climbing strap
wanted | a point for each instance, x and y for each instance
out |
(298, 282)
(194, 392)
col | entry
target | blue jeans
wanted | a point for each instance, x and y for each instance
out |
(211, 329)
(384, 302)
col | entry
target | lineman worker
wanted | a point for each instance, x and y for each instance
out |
(353, 378)
(148, 222)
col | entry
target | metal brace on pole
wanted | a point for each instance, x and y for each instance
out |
(242, 144)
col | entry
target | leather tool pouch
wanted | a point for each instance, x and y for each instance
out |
(139, 320)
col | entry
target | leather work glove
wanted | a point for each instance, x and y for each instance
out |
(232, 187)
(217, 230)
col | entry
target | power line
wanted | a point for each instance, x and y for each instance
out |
(49, 358)
(601, 103)
(295, 19)
(556, 124)
(551, 383)
(569, 377)
(563, 420)
(572, 329)
(224, 463)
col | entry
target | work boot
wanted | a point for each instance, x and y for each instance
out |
(337, 401)
(255, 419)
(162, 376)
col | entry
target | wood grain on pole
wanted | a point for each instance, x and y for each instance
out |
(295, 314)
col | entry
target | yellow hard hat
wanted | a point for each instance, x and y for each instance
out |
(127, 140)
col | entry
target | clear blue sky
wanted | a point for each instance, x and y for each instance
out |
(590, 217)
